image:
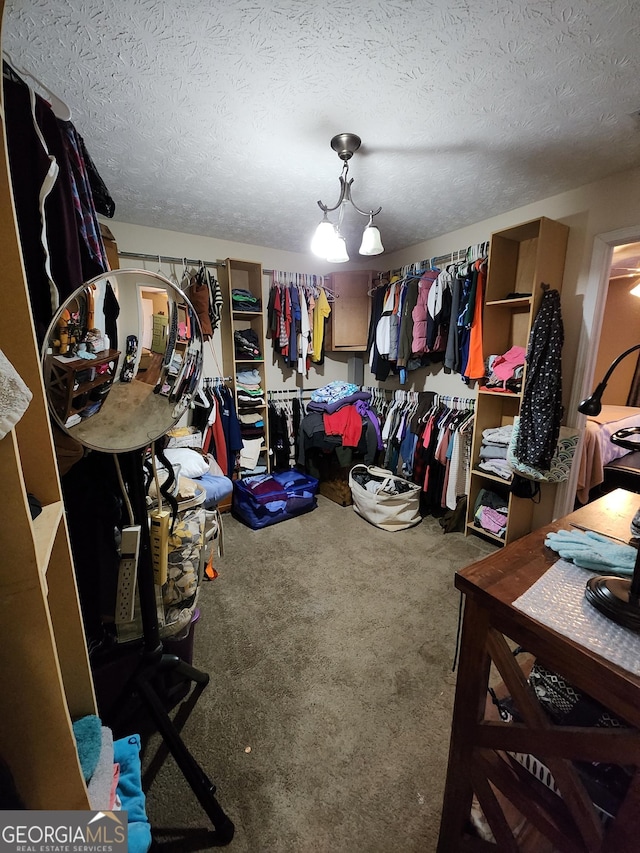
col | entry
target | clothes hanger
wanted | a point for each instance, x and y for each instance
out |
(60, 109)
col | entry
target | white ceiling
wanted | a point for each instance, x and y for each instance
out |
(215, 118)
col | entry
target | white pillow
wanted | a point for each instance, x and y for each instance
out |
(192, 463)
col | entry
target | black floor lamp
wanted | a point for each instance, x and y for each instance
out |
(615, 597)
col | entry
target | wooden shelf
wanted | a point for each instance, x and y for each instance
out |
(506, 394)
(475, 528)
(46, 675)
(487, 475)
(521, 260)
(246, 275)
(45, 530)
(520, 302)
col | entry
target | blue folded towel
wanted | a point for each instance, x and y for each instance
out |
(88, 734)
(126, 753)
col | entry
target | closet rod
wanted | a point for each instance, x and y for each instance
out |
(169, 259)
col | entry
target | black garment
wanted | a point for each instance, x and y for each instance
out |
(380, 365)
(94, 510)
(452, 355)
(279, 438)
(230, 427)
(29, 165)
(111, 312)
(102, 199)
(541, 410)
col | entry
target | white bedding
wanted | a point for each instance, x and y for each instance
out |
(598, 449)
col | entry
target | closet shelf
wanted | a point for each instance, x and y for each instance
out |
(519, 259)
(249, 360)
(487, 475)
(521, 302)
(477, 529)
(45, 530)
(238, 315)
(506, 394)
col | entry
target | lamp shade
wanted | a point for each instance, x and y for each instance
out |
(323, 239)
(371, 241)
(338, 251)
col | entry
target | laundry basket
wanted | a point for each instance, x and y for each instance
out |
(384, 499)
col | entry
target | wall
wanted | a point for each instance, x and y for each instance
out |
(606, 205)
(138, 238)
(620, 328)
(597, 208)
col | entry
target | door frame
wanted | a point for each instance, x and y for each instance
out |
(595, 299)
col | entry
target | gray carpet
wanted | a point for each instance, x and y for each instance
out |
(330, 646)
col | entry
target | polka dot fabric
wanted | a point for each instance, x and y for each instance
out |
(541, 410)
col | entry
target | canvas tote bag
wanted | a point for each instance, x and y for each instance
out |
(387, 508)
(561, 462)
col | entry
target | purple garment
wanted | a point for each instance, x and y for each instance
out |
(331, 408)
(492, 520)
(366, 412)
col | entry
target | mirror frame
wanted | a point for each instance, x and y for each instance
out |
(175, 409)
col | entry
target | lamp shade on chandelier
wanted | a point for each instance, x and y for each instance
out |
(328, 242)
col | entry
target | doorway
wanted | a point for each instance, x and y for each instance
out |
(615, 269)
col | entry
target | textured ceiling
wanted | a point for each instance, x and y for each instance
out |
(215, 118)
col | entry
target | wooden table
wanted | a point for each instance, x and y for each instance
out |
(478, 763)
(70, 396)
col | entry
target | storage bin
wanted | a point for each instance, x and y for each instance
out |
(265, 499)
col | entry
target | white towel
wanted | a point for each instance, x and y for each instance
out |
(14, 396)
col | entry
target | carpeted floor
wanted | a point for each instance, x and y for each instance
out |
(325, 725)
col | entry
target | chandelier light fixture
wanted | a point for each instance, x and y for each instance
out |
(328, 242)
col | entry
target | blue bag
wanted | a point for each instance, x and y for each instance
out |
(266, 499)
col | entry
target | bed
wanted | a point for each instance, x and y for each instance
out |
(598, 449)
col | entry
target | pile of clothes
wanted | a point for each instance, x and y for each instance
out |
(251, 403)
(505, 372)
(340, 416)
(246, 343)
(244, 300)
(493, 451)
(490, 512)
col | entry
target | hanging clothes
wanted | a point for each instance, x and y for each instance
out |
(41, 188)
(199, 293)
(475, 367)
(297, 313)
(321, 313)
(541, 410)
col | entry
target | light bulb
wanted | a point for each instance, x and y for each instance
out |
(371, 242)
(323, 238)
(338, 251)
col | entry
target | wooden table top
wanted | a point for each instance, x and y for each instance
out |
(496, 581)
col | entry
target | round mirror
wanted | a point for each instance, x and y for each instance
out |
(122, 359)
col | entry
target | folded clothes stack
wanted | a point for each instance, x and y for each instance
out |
(112, 771)
(251, 424)
(244, 300)
(249, 389)
(490, 512)
(251, 403)
(335, 395)
(493, 451)
(246, 343)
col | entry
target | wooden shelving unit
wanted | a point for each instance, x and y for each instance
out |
(521, 260)
(245, 275)
(43, 655)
